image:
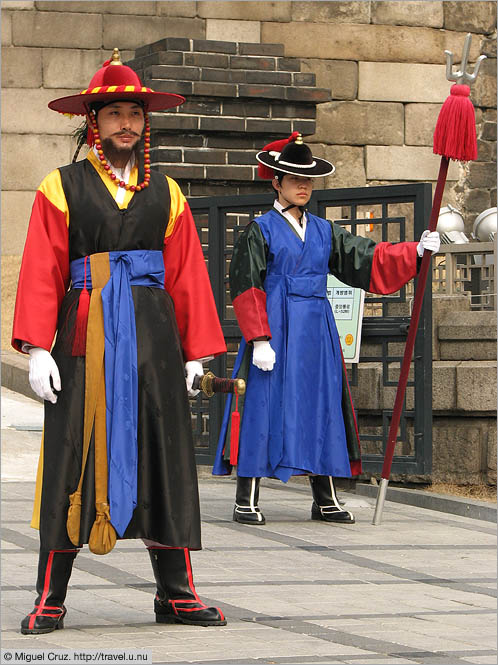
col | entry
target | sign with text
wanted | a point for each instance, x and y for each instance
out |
(347, 307)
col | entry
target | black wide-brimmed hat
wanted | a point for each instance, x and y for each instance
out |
(291, 156)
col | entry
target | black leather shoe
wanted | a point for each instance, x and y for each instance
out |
(248, 515)
(331, 514)
(50, 619)
(190, 612)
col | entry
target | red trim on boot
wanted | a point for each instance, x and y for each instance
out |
(46, 588)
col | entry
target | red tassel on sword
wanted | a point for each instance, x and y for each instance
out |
(454, 138)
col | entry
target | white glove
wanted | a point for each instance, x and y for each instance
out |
(263, 356)
(192, 368)
(42, 367)
(429, 240)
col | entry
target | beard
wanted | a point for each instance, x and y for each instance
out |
(120, 154)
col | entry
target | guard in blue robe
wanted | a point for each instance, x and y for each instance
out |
(297, 414)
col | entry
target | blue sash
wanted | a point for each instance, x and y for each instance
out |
(128, 268)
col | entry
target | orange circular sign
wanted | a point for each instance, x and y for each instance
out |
(349, 339)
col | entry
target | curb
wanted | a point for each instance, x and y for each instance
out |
(478, 510)
(15, 371)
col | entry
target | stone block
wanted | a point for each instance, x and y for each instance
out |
(131, 34)
(441, 306)
(429, 14)
(245, 11)
(247, 109)
(420, 121)
(470, 16)
(36, 117)
(292, 111)
(304, 127)
(16, 210)
(443, 386)
(331, 12)
(399, 82)
(262, 49)
(476, 385)
(456, 450)
(137, 8)
(19, 4)
(21, 67)
(220, 60)
(58, 29)
(205, 156)
(289, 64)
(214, 46)
(367, 394)
(477, 200)
(348, 162)
(22, 168)
(70, 68)
(233, 31)
(339, 76)
(173, 8)
(468, 350)
(6, 28)
(488, 131)
(468, 326)
(488, 47)
(361, 42)
(207, 88)
(222, 124)
(172, 72)
(167, 44)
(482, 174)
(484, 89)
(232, 172)
(303, 94)
(270, 126)
(491, 453)
(266, 91)
(359, 123)
(252, 62)
(405, 163)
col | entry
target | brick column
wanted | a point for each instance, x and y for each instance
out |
(239, 97)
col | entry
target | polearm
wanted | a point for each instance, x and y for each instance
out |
(454, 138)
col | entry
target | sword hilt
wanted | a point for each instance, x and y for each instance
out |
(210, 384)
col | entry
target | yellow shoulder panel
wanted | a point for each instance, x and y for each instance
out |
(51, 187)
(177, 204)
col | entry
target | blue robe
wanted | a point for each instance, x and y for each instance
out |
(292, 420)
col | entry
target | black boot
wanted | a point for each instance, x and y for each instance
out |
(54, 571)
(176, 599)
(246, 510)
(326, 506)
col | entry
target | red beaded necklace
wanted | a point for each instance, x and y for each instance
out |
(106, 165)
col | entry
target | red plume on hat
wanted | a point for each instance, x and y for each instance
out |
(263, 171)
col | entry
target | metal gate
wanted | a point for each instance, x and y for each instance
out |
(389, 213)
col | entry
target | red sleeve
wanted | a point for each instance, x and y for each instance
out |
(250, 310)
(44, 276)
(187, 281)
(393, 265)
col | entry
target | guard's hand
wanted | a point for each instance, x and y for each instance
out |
(263, 356)
(192, 369)
(42, 367)
(429, 240)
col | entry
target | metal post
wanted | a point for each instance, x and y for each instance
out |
(381, 497)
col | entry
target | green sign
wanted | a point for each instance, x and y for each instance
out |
(347, 307)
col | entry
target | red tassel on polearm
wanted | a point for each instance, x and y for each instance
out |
(80, 326)
(234, 433)
(455, 133)
(265, 172)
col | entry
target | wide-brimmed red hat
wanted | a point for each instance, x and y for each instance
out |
(291, 156)
(115, 81)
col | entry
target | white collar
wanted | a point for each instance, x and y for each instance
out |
(300, 230)
(121, 174)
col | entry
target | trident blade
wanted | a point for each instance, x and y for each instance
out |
(462, 75)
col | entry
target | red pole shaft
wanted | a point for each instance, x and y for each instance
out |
(412, 330)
